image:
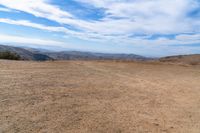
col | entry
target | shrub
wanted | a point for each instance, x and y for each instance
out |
(9, 55)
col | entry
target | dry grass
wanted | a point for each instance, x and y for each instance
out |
(99, 97)
(183, 59)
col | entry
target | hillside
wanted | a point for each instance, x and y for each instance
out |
(183, 59)
(43, 55)
(9, 55)
(37, 54)
(77, 55)
(25, 54)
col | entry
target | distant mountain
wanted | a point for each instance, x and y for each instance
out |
(77, 55)
(25, 54)
(183, 59)
(42, 55)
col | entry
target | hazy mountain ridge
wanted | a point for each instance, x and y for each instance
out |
(25, 54)
(76, 55)
(37, 54)
(43, 55)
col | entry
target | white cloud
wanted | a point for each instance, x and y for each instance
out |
(149, 16)
(35, 25)
(138, 16)
(5, 9)
(89, 36)
(185, 37)
(121, 39)
(37, 7)
(26, 40)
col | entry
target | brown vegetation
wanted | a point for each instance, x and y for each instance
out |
(183, 59)
(99, 96)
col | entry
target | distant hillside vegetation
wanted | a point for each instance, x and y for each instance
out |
(183, 59)
(42, 55)
(25, 54)
(9, 56)
(18, 53)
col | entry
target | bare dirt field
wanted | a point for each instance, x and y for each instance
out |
(98, 97)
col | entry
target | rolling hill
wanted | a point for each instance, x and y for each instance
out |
(77, 55)
(42, 55)
(25, 54)
(183, 59)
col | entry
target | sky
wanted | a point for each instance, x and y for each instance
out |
(145, 27)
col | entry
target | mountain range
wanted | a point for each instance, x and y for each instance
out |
(42, 55)
(25, 54)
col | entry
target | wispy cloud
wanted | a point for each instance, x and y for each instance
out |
(122, 21)
(146, 16)
(5, 9)
(89, 36)
(28, 40)
(35, 25)
(179, 39)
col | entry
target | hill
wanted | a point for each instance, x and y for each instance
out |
(77, 55)
(183, 59)
(25, 54)
(41, 55)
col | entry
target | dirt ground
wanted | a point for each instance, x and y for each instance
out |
(98, 97)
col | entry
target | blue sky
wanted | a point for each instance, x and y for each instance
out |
(144, 27)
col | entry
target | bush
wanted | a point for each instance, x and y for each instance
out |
(9, 56)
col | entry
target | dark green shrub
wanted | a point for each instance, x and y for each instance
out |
(9, 55)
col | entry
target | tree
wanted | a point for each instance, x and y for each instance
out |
(9, 55)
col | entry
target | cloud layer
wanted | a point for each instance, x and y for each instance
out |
(123, 21)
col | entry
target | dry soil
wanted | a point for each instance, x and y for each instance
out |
(98, 97)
